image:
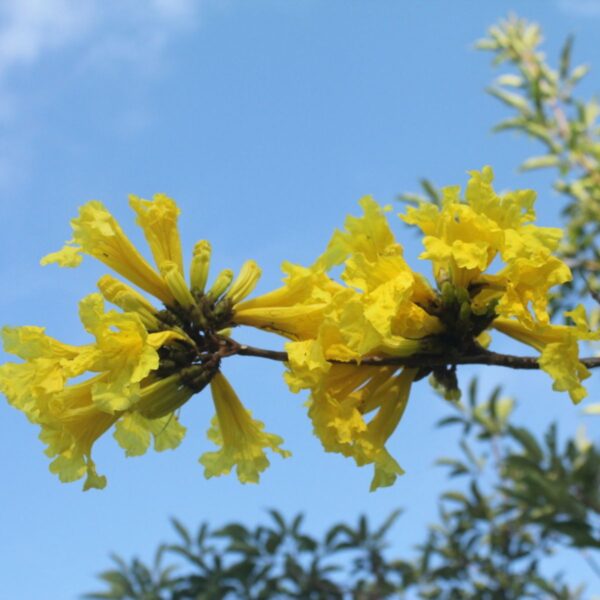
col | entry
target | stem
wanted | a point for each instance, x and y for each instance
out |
(482, 357)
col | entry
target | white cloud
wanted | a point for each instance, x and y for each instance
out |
(580, 8)
(32, 27)
(178, 10)
(91, 35)
(31, 30)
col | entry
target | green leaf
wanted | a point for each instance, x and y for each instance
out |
(579, 73)
(457, 466)
(387, 524)
(510, 80)
(542, 133)
(455, 497)
(296, 523)
(235, 531)
(182, 531)
(579, 532)
(431, 191)
(472, 394)
(278, 519)
(449, 421)
(540, 162)
(529, 443)
(511, 99)
(565, 57)
(504, 408)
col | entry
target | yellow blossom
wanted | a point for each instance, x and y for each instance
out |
(294, 310)
(70, 426)
(338, 407)
(462, 238)
(158, 219)
(559, 348)
(493, 267)
(72, 422)
(129, 300)
(200, 265)
(241, 437)
(97, 233)
(144, 363)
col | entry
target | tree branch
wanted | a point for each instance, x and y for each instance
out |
(482, 357)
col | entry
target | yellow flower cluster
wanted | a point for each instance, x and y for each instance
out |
(462, 239)
(383, 309)
(144, 363)
(378, 312)
(347, 337)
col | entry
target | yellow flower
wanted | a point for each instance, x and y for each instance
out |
(70, 426)
(462, 238)
(145, 362)
(559, 349)
(124, 348)
(158, 219)
(338, 406)
(72, 422)
(524, 285)
(48, 365)
(241, 437)
(97, 233)
(129, 300)
(154, 415)
(379, 309)
(382, 310)
(294, 310)
(392, 397)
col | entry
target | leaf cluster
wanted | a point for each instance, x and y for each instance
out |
(521, 498)
(512, 500)
(545, 107)
(277, 560)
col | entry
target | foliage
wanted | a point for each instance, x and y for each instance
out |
(512, 499)
(545, 108)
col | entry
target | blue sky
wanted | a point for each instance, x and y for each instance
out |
(267, 120)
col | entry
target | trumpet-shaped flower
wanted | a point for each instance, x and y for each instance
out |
(338, 407)
(158, 220)
(462, 238)
(72, 423)
(294, 310)
(97, 233)
(144, 363)
(493, 267)
(241, 437)
(559, 348)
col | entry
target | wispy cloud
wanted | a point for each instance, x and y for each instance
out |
(30, 30)
(580, 8)
(100, 35)
(31, 27)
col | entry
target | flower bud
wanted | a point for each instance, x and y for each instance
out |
(245, 282)
(177, 285)
(126, 298)
(163, 397)
(200, 266)
(448, 293)
(221, 283)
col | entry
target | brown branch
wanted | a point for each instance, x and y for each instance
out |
(482, 357)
